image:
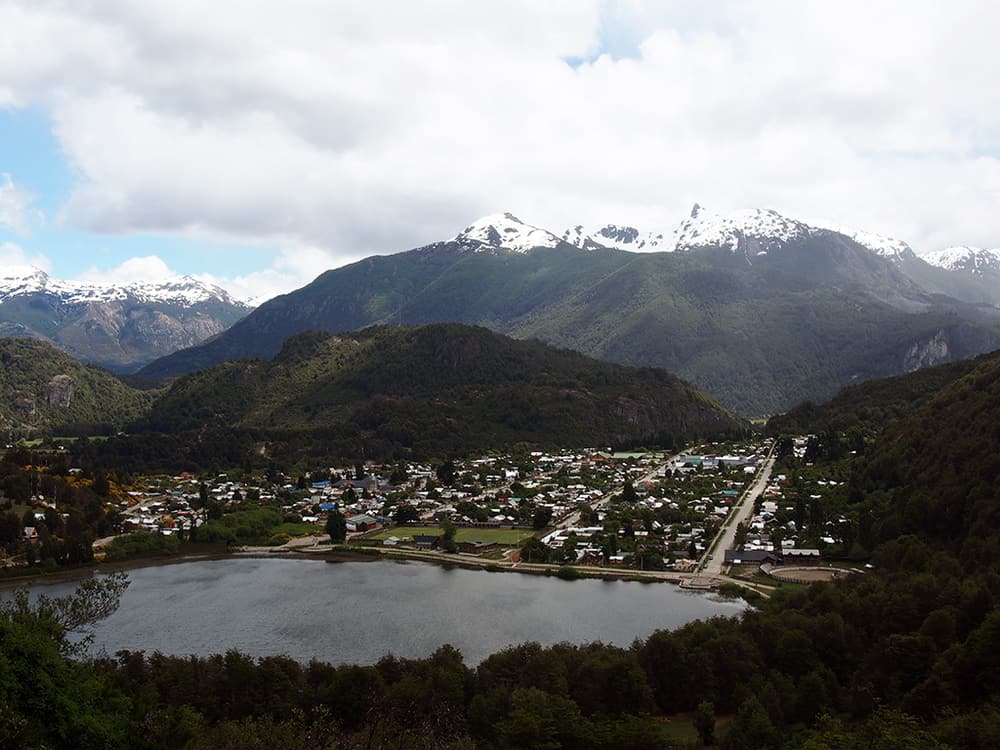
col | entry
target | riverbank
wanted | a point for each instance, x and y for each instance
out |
(342, 554)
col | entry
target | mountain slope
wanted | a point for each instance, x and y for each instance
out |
(874, 404)
(119, 326)
(42, 389)
(759, 329)
(437, 389)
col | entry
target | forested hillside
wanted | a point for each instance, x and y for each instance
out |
(442, 389)
(43, 390)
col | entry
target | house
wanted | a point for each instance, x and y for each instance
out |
(362, 523)
(750, 556)
(426, 541)
(30, 534)
(470, 547)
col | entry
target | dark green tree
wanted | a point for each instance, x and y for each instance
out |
(629, 494)
(541, 518)
(336, 526)
(704, 722)
(448, 537)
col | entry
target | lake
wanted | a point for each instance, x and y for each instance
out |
(358, 612)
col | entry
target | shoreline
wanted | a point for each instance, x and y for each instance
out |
(685, 582)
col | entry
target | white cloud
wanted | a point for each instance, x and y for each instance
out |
(16, 261)
(15, 206)
(290, 270)
(358, 127)
(139, 269)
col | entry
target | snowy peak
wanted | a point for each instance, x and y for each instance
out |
(886, 247)
(706, 229)
(613, 236)
(975, 260)
(183, 291)
(504, 232)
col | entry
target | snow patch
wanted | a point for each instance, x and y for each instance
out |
(707, 229)
(615, 237)
(974, 260)
(183, 291)
(504, 232)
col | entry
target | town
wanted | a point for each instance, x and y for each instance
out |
(651, 513)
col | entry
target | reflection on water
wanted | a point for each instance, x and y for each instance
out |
(358, 612)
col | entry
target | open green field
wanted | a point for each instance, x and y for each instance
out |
(501, 536)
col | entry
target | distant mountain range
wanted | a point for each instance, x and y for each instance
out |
(119, 326)
(758, 310)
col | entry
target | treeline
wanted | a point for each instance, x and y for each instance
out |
(908, 655)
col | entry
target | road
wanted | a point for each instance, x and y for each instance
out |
(741, 512)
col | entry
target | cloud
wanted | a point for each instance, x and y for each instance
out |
(356, 128)
(15, 206)
(139, 269)
(290, 270)
(16, 261)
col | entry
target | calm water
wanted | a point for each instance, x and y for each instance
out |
(358, 612)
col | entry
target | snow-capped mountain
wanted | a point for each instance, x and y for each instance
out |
(759, 236)
(702, 229)
(887, 247)
(120, 326)
(184, 291)
(974, 260)
(614, 236)
(504, 232)
(767, 228)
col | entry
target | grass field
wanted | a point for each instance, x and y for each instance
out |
(298, 529)
(501, 536)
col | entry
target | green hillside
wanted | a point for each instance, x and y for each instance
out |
(874, 404)
(939, 465)
(45, 391)
(759, 337)
(435, 390)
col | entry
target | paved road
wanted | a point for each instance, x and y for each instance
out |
(744, 509)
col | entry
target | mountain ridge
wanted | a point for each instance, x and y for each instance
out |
(121, 326)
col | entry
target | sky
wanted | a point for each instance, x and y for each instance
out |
(257, 144)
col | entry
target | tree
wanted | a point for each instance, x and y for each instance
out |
(629, 494)
(48, 698)
(541, 518)
(101, 486)
(336, 526)
(751, 729)
(448, 537)
(446, 473)
(704, 722)
(534, 551)
(203, 495)
(398, 475)
(741, 535)
(405, 513)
